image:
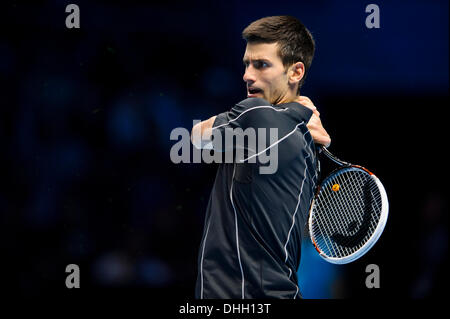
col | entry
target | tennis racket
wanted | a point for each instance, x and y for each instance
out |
(348, 212)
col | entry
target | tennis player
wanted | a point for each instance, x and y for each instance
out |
(254, 222)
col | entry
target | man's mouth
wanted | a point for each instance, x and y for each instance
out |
(253, 92)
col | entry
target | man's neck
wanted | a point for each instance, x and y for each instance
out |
(288, 99)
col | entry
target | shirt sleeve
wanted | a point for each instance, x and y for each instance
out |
(238, 127)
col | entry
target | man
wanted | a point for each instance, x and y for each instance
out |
(255, 222)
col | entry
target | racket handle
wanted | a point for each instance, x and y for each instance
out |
(325, 151)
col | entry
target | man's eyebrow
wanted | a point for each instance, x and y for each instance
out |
(244, 60)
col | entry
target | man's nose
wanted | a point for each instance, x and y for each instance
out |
(249, 75)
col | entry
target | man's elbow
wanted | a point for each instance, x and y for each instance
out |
(196, 136)
(201, 134)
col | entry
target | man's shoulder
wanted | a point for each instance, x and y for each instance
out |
(254, 108)
(257, 112)
(253, 102)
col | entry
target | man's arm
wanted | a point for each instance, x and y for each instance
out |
(201, 134)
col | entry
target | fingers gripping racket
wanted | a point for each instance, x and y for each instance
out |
(348, 212)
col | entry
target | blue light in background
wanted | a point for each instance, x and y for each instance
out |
(126, 127)
(316, 277)
(219, 82)
(408, 53)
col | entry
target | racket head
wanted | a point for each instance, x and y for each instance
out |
(348, 214)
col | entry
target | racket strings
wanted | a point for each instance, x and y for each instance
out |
(344, 219)
(336, 204)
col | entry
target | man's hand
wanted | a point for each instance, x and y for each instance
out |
(318, 133)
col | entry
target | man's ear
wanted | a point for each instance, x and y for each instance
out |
(296, 72)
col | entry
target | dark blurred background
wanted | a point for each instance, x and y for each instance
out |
(86, 115)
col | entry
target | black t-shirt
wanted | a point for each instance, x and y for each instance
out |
(254, 222)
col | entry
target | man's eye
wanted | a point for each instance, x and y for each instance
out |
(261, 64)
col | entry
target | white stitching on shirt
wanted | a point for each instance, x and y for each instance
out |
(284, 137)
(201, 263)
(296, 209)
(250, 109)
(237, 236)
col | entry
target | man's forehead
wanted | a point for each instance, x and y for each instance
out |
(261, 51)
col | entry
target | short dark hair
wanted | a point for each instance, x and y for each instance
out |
(295, 42)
